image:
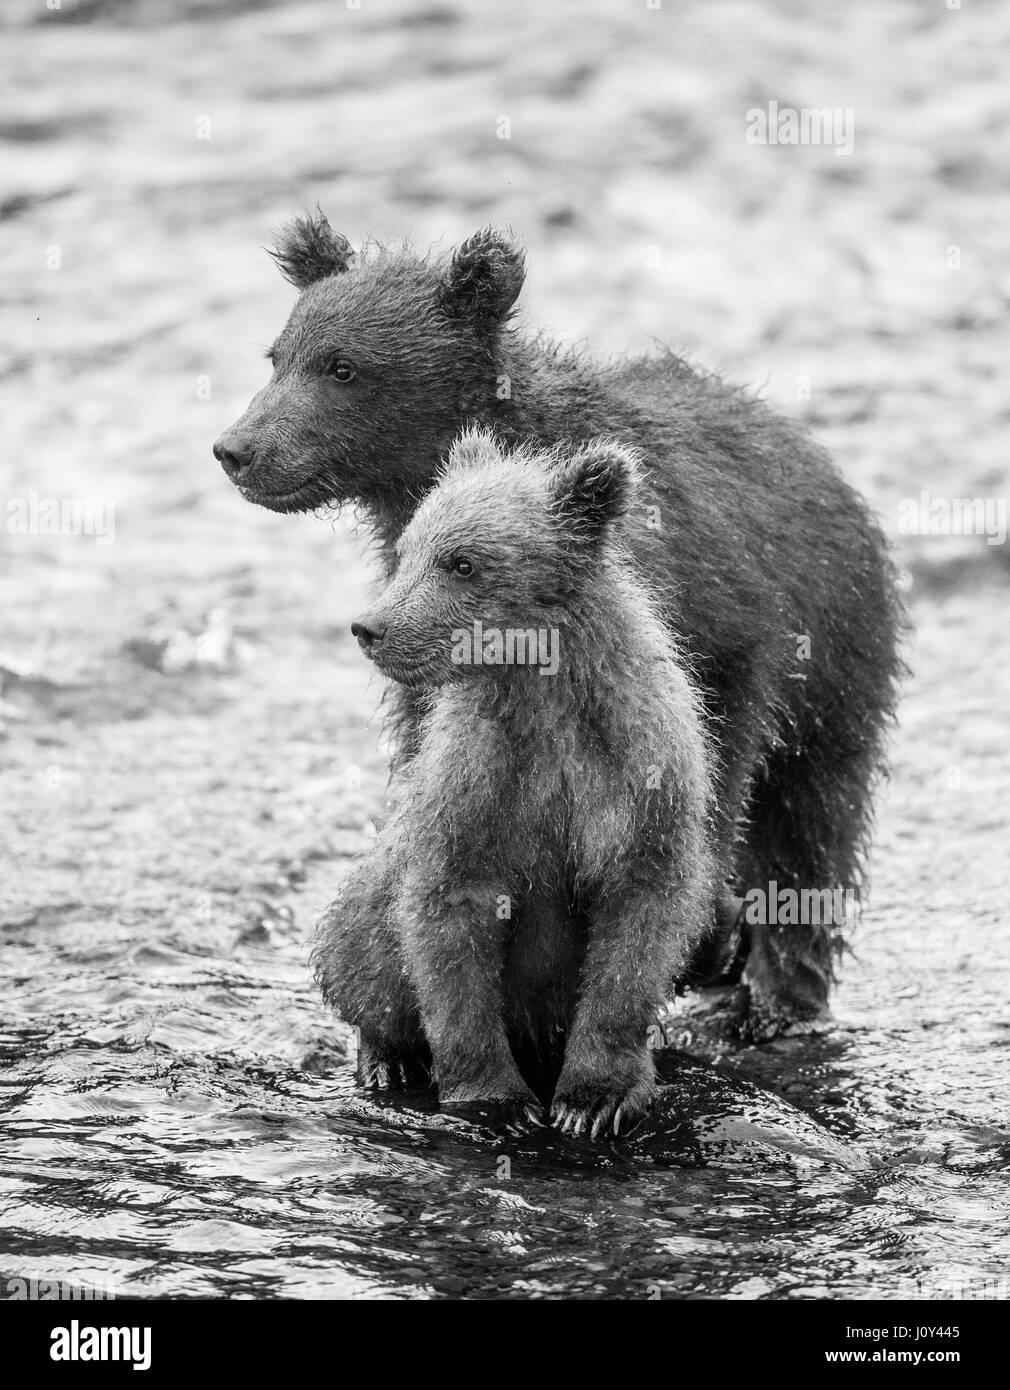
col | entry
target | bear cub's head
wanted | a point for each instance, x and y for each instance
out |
(385, 354)
(498, 560)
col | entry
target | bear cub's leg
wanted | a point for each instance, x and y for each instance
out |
(359, 967)
(454, 947)
(608, 1079)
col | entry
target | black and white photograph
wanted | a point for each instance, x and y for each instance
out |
(504, 688)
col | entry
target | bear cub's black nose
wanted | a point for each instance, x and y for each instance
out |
(235, 452)
(368, 632)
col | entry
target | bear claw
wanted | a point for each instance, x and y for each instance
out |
(588, 1109)
(389, 1073)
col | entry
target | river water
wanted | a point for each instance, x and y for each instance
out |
(178, 1119)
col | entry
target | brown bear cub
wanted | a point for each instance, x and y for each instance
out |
(545, 876)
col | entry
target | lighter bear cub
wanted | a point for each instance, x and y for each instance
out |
(545, 875)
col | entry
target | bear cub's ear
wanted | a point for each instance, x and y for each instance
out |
(309, 249)
(485, 276)
(594, 487)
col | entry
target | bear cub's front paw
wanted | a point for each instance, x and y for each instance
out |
(389, 1068)
(502, 1090)
(608, 1092)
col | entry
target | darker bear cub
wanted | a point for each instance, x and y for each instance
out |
(545, 876)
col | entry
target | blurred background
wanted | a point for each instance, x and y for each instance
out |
(189, 757)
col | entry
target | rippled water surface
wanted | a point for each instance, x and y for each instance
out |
(177, 1117)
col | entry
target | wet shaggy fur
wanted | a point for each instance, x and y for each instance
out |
(545, 874)
(763, 561)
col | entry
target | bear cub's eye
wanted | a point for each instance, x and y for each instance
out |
(462, 566)
(343, 369)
